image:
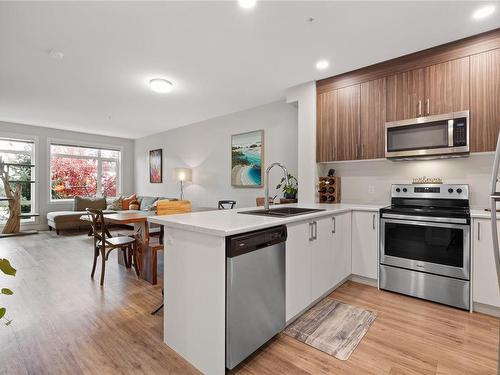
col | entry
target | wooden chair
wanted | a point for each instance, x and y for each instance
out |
(226, 205)
(166, 207)
(103, 245)
(259, 201)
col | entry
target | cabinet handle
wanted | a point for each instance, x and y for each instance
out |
(362, 149)
(419, 108)
(315, 230)
(373, 222)
(311, 237)
(479, 231)
(427, 107)
(334, 225)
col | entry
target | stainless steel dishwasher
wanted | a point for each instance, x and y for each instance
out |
(255, 291)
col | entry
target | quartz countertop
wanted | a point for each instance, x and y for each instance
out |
(479, 213)
(224, 223)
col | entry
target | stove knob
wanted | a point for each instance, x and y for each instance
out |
(398, 190)
(459, 191)
(405, 190)
(450, 190)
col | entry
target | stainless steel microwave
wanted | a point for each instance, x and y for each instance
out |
(430, 136)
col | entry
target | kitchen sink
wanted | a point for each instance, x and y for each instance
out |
(282, 211)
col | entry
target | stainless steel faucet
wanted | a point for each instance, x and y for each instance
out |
(266, 186)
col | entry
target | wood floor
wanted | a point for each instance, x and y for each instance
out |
(64, 323)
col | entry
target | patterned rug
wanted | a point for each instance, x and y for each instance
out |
(333, 327)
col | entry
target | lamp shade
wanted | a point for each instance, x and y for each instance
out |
(183, 174)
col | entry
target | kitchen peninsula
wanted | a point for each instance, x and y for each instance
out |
(195, 268)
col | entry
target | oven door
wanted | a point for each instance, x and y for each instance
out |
(434, 247)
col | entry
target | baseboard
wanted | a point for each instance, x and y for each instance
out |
(486, 309)
(364, 280)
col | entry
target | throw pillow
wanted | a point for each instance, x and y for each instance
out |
(126, 201)
(116, 205)
(134, 205)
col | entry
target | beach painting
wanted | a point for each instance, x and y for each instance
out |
(247, 151)
(155, 167)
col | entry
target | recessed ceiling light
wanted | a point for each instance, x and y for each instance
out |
(247, 4)
(55, 54)
(483, 12)
(322, 64)
(161, 85)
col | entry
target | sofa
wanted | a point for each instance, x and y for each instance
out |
(63, 220)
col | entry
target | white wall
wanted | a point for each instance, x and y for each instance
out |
(304, 96)
(206, 147)
(370, 181)
(42, 135)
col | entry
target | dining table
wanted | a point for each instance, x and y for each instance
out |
(148, 262)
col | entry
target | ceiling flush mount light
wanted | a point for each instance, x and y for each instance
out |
(322, 64)
(161, 85)
(247, 4)
(55, 54)
(483, 12)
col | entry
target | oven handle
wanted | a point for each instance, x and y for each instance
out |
(423, 223)
(411, 218)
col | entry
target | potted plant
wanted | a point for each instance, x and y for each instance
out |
(290, 189)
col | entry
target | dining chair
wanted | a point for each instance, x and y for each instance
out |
(226, 205)
(103, 245)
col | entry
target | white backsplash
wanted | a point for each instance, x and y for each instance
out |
(370, 181)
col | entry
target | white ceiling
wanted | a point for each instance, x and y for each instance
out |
(222, 58)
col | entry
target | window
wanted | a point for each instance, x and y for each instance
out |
(19, 154)
(83, 171)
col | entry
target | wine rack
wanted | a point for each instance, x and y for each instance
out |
(329, 189)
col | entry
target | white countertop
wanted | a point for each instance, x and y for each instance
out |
(224, 223)
(479, 213)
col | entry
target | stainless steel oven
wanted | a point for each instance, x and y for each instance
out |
(425, 243)
(430, 136)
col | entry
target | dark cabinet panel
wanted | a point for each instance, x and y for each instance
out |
(447, 87)
(348, 107)
(484, 100)
(405, 92)
(326, 124)
(372, 119)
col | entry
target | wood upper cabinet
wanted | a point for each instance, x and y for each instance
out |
(347, 129)
(337, 129)
(436, 89)
(405, 92)
(484, 100)
(372, 119)
(326, 138)
(447, 87)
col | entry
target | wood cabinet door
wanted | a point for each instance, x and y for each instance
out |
(347, 129)
(372, 119)
(484, 100)
(447, 87)
(326, 123)
(405, 93)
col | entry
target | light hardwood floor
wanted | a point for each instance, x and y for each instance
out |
(64, 323)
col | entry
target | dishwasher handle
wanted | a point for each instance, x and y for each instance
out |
(247, 242)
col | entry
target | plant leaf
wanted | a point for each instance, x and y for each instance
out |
(6, 268)
(8, 322)
(7, 291)
(2, 312)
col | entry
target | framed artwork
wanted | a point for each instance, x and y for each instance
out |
(247, 159)
(155, 167)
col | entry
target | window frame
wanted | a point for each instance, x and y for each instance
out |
(96, 146)
(20, 137)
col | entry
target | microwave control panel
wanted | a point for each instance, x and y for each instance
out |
(460, 132)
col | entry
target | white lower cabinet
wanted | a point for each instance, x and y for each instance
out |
(317, 258)
(365, 243)
(484, 284)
